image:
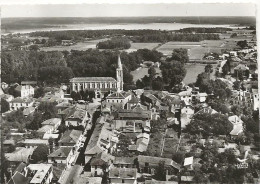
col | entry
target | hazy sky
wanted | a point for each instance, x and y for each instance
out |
(126, 10)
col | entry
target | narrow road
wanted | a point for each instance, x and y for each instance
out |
(81, 157)
(163, 141)
(74, 171)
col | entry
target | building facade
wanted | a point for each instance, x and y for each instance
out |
(99, 85)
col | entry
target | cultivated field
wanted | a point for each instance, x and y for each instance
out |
(169, 46)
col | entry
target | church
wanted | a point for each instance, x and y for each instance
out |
(99, 85)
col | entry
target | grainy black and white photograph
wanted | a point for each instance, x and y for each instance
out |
(137, 93)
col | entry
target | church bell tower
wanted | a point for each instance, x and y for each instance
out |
(119, 75)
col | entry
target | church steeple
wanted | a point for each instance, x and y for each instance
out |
(119, 64)
(119, 75)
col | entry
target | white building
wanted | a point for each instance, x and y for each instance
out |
(99, 85)
(25, 91)
(17, 103)
(186, 95)
(237, 125)
(42, 173)
(255, 99)
(201, 97)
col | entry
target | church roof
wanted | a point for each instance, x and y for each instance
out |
(93, 79)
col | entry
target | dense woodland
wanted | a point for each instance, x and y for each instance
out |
(115, 43)
(58, 67)
(205, 30)
(134, 35)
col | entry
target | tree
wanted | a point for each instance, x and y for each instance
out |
(173, 73)
(34, 47)
(139, 84)
(180, 55)
(55, 74)
(73, 95)
(237, 85)
(208, 68)
(242, 44)
(219, 107)
(152, 72)
(4, 106)
(178, 157)
(157, 84)
(207, 124)
(200, 177)
(62, 128)
(160, 172)
(40, 154)
(51, 141)
(36, 122)
(250, 124)
(48, 109)
(233, 35)
(39, 92)
(203, 82)
(236, 110)
(115, 43)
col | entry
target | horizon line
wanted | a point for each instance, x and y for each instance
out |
(133, 16)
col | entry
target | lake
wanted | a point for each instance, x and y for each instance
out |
(128, 26)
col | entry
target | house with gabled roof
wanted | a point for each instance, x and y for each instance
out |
(124, 162)
(123, 175)
(18, 178)
(99, 162)
(147, 164)
(61, 155)
(34, 142)
(77, 118)
(119, 97)
(20, 154)
(133, 102)
(103, 139)
(72, 138)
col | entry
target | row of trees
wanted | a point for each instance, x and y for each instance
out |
(166, 37)
(205, 30)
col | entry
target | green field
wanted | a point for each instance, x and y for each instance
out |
(139, 73)
(193, 70)
(91, 44)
